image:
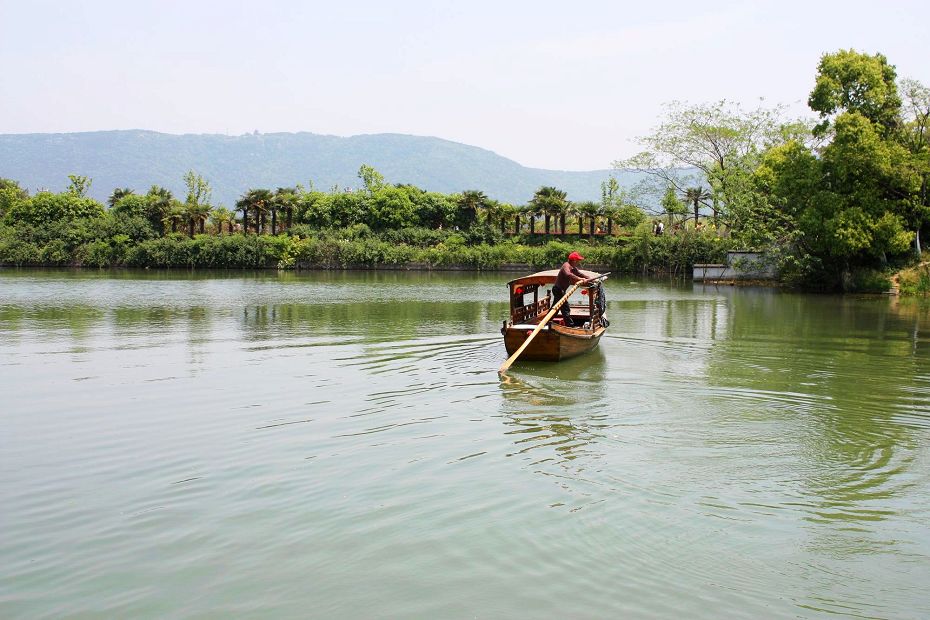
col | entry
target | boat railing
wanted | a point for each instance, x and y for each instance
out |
(523, 314)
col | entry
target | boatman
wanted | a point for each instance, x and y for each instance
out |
(569, 274)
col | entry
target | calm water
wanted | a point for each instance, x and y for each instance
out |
(340, 446)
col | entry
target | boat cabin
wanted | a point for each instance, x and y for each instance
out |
(531, 301)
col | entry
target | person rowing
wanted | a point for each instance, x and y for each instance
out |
(568, 275)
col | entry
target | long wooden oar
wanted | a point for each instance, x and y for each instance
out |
(542, 324)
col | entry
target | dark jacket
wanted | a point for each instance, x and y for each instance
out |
(568, 275)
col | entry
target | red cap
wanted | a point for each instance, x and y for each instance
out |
(575, 256)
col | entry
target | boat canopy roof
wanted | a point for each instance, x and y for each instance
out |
(546, 277)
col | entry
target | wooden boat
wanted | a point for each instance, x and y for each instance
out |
(555, 341)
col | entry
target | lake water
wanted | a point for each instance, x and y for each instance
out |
(339, 445)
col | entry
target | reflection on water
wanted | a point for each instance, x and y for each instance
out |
(264, 444)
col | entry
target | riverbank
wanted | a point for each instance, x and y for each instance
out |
(914, 281)
(641, 253)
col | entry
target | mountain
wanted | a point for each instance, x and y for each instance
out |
(233, 164)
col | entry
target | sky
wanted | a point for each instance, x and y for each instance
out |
(566, 85)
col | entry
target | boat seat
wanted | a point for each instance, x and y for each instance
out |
(524, 326)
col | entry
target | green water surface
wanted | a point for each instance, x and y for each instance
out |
(339, 445)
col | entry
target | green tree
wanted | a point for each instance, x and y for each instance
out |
(254, 201)
(118, 194)
(506, 213)
(719, 144)
(841, 210)
(391, 208)
(197, 205)
(131, 205)
(530, 211)
(10, 194)
(46, 208)
(79, 185)
(550, 201)
(159, 202)
(469, 203)
(197, 215)
(695, 196)
(221, 216)
(672, 207)
(589, 210)
(434, 210)
(285, 199)
(372, 180)
(915, 137)
(175, 215)
(628, 216)
(849, 81)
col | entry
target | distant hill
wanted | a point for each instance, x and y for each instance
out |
(233, 164)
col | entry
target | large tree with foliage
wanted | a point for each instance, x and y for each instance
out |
(849, 81)
(159, 201)
(717, 143)
(914, 135)
(470, 203)
(550, 202)
(46, 208)
(10, 194)
(255, 202)
(850, 204)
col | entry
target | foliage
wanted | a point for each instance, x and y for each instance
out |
(10, 194)
(78, 185)
(469, 203)
(48, 207)
(118, 194)
(672, 205)
(717, 143)
(871, 281)
(389, 207)
(915, 281)
(371, 179)
(849, 81)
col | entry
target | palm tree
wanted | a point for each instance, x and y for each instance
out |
(549, 201)
(694, 196)
(505, 212)
(285, 198)
(491, 212)
(118, 194)
(469, 203)
(197, 214)
(159, 204)
(590, 210)
(609, 213)
(254, 200)
(528, 211)
(175, 215)
(220, 216)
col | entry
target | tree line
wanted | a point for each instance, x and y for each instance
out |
(378, 224)
(828, 198)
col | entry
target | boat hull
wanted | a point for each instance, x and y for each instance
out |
(553, 343)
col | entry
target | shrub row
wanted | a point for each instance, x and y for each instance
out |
(348, 248)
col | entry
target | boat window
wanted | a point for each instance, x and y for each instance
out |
(523, 294)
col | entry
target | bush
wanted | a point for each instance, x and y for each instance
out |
(19, 253)
(869, 281)
(55, 252)
(915, 281)
(419, 237)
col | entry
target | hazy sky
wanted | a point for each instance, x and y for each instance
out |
(561, 85)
